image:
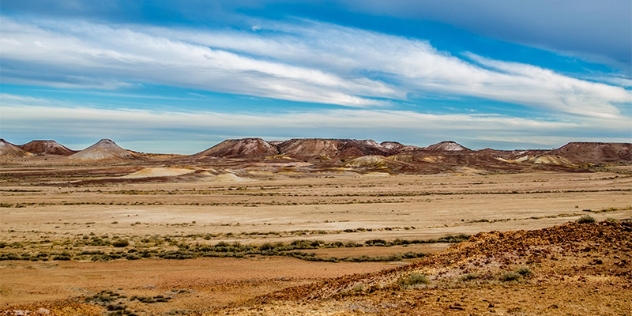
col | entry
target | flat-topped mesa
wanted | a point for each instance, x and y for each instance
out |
(10, 150)
(104, 149)
(47, 147)
(398, 147)
(240, 148)
(595, 152)
(447, 146)
(322, 147)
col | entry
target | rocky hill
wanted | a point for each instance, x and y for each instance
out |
(47, 147)
(10, 150)
(104, 149)
(447, 146)
(575, 268)
(322, 154)
(240, 148)
(330, 148)
(585, 152)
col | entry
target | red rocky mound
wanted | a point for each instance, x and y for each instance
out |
(240, 148)
(585, 152)
(447, 146)
(571, 252)
(47, 147)
(342, 148)
(10, 150)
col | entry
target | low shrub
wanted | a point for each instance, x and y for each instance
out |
(119, 243)
(469, 276)
(586, 219)
(413, 279)
(524, 271)
(510, 276)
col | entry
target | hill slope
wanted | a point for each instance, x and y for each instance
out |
(240, 148)
(47, 147)
(104, 149)
(319, 147)
(447, 146)
(586, 152)
(569, 269)
(10, 150)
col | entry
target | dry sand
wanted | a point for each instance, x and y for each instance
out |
(58, 204)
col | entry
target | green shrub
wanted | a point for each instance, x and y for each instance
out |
(586, 219)
(119, 243)
(524, 271)
(469, 276)
(413, 279)
(510, 276)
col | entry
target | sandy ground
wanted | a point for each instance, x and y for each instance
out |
(46, 206)
(204, 283)
(433, 205)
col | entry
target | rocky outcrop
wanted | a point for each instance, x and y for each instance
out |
(47, 147)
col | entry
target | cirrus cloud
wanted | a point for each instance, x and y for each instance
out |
(302, 61)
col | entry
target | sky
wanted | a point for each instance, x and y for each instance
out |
(182, 76)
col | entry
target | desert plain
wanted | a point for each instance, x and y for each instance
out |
(168, 236)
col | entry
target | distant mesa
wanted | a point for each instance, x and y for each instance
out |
(300, 148)
(105, 149)
(10, 150)
(240, 148)
(329, 154)
(593, 152)
(398, 147)
(447, 146)
(47, 147)
(319, 147)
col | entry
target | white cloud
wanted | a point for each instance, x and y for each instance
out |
(190, 132)
(101, 52)
(415, 66)
(305, 61)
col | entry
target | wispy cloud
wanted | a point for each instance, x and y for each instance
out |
(194, 131)
(301, 61)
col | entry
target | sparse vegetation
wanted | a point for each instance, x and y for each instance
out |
(586, 219)
(469, 276)
(413, 279)
(510, 276)
(524, 271)
(119, 243)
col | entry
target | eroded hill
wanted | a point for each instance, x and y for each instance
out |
(572, 269)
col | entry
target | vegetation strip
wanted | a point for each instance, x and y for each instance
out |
(104, 248)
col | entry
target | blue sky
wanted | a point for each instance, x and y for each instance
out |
(181, 76)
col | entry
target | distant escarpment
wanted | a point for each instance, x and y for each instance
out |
(304, 155)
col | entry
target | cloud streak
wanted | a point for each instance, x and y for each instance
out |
(598, 30)
(302, 61)
(169, 131)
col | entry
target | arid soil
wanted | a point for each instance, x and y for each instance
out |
(572, 269)
(176, 235)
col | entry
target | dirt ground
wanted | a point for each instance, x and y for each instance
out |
(56, 210)
(195, 284)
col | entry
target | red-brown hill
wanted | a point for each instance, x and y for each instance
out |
(342, 148)
(592, 152)
(569, 269)
(47, 147)
(447, 146)
(10, 150)
(240, 148)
